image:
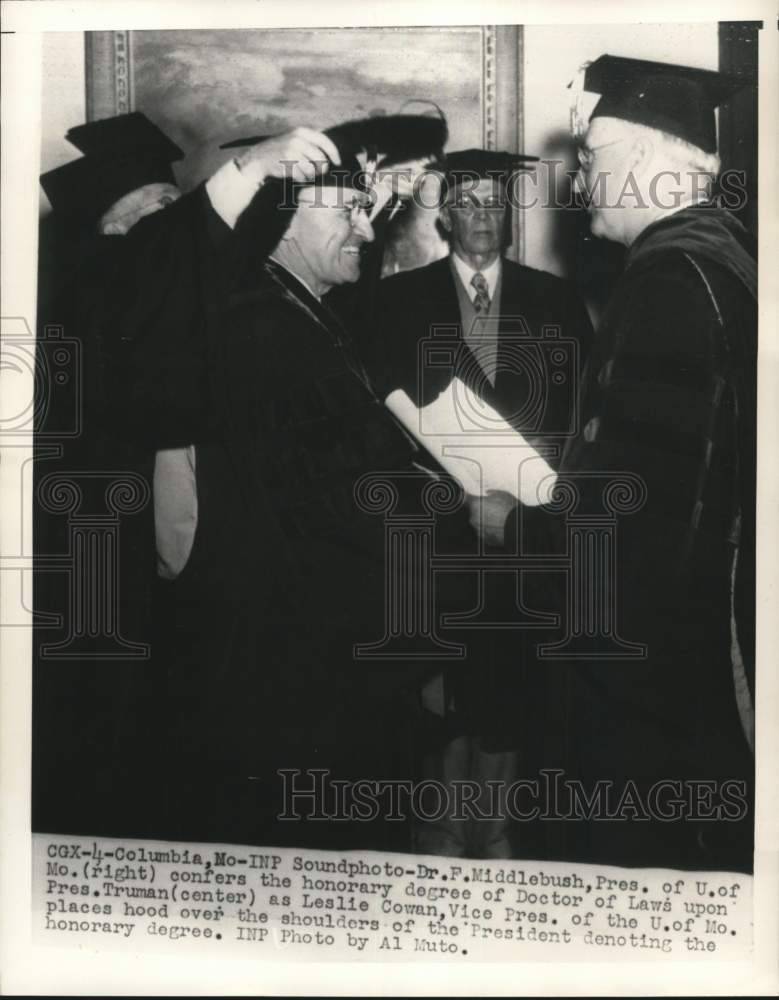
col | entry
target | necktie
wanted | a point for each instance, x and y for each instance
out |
(482, 300)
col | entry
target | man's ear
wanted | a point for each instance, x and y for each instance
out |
(444, 218)
(640, 156)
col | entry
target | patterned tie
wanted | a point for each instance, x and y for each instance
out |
(482, 300)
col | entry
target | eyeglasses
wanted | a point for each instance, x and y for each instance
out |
(356, 212)
(586, 153)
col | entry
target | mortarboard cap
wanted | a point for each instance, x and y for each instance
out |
(397, 137)
(469, 165)
(484, 164)
(394, 138)
(122, 154)
(679, 100)
(122, 135)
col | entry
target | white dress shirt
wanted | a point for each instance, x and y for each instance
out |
(466, 272)
(230, 191)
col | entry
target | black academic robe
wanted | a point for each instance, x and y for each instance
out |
(668, 398)
(156, 326)
(83, 703)
(544, 335)
(286, 575)
(133, 312)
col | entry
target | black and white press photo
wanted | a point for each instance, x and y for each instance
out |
(386, 468)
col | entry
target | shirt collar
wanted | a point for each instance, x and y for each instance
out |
(466, 272)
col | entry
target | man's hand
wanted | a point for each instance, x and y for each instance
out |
(488, 515)
(301, 155)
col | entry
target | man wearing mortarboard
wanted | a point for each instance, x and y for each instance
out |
(142, 301)
(669, 397)
(124, 174)
(287, 570)
(500, 311)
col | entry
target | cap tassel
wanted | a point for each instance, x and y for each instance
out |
(579, 119)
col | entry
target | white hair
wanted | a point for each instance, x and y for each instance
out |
(684, 154)
(679, 153)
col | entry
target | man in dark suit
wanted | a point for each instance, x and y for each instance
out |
(492, 306)
(516, 337)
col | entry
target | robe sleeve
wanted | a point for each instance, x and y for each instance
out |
(157, 319)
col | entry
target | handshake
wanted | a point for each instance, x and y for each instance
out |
(488, 515)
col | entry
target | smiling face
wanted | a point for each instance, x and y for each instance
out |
(324, 241)
(475, 217)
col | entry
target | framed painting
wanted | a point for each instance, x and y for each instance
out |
(203, 87)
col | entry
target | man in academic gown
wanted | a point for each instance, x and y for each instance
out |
(668, 399)
(287, 570)
(86, 690)
(136, 291)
